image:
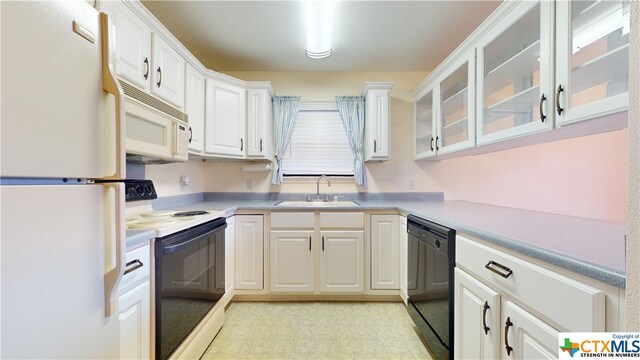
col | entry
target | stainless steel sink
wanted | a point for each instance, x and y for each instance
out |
(303, 203)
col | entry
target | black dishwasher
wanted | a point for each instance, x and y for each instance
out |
(430, 286)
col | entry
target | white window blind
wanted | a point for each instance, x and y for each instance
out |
(319, 144)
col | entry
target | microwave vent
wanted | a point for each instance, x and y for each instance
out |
(135, 93)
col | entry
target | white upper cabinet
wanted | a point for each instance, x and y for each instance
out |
(225, 119)
(515, 87)
(259, 120)
(592, 59)
(133, 43)
(456, 121)
(194, 106)
(425, 125)
(540, 65)
(377, 117)
(167, 76)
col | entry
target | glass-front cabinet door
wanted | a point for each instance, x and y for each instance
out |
(425, 126)
(515, 77)
(592, 59)
(456, 122)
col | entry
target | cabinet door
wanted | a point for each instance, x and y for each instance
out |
(249, 255)
(528, 336)
(225, 119)
(342, 261)
(515, 74)
(385, 249)
(167, 76)
(135, 322)
(476, 319)
(133, 43)
(292, 265)
(403, 240)
(194, 107)
(229, 256)
(376, 146)
(592, 59)
(456, 120)
(259, 124)
(425, 128)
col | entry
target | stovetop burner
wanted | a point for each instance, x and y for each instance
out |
(190, 213)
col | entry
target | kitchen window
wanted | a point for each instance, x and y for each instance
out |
(319, 144)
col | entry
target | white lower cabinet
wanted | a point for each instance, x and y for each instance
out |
(527, 336)
(342, 261)
(479, 306)
(229, 257)
(292, 261)
(317, 252)
(403, 240)
(134, 302)
(497, 295)
(249, 252)
(385, 252)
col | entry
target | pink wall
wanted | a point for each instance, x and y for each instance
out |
(584, 177)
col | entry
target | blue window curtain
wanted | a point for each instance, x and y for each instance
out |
(352, 112)
(285, 114)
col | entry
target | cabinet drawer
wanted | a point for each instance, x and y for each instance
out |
(575, 306)
(341, 220)
(296, 220)
(137, 276)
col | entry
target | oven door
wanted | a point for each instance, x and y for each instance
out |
(430, 304)
(189, 274)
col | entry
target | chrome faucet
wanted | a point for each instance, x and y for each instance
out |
(318, 186)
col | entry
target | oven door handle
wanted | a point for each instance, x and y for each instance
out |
(188, 241)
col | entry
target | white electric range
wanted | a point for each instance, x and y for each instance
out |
(167, 222)
(189, 269)
(164, 222)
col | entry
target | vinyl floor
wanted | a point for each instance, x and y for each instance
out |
(317, 330)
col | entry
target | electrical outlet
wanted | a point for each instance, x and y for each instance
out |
(249, 184)
(185, 180)
(412, 184)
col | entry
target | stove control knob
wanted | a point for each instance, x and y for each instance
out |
(140, 190)
(148, 190)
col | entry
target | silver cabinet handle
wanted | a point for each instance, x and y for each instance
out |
(241, 144)
(374, 146)
(323, 243)
(559, 108)
(260, 145)
(484, 317)
(133, 266)
(507, 325)
(309, 243)
(499, 269)
(146, 68)
(542, 115)
(159, 71)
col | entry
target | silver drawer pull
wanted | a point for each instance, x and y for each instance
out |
(133, 266)
(492, 265)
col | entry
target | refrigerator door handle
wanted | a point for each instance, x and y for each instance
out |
(115, 235)
(110, 85)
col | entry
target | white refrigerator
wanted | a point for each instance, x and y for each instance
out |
(62, 235)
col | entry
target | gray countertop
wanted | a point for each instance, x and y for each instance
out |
(590, 247)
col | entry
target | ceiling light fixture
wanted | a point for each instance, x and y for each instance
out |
(318, 23)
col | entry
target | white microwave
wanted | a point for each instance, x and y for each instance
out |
(155, 131)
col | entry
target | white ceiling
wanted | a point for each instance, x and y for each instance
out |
(368, 35)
